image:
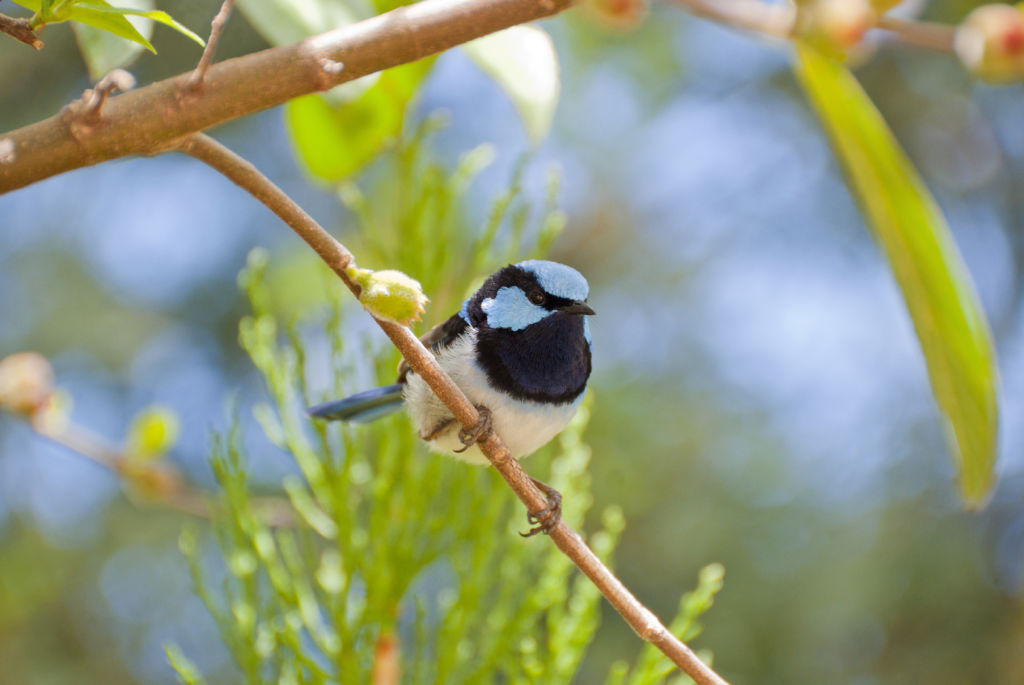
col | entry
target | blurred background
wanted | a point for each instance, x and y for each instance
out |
(759, 396)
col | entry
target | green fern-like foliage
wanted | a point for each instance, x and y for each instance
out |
(389, 559)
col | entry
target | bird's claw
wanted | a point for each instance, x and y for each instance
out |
(482, 429)
(545, 520)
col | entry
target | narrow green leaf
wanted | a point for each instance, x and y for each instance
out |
(336, 141)
(523, 61)
(937, 288)
(97, 15)
(156, 15)
(187, 671)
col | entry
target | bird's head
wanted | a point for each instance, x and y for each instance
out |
(526, 293)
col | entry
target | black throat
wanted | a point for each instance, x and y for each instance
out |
(548, 361)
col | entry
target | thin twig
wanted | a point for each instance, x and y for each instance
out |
(921, 34)
(779, 21)
(21, 30)
(195, 81)
(161, 483)
(775, 20)
(152, 119)
(337, 257)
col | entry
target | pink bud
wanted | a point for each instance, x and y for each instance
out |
(26, 382)
(990, 43)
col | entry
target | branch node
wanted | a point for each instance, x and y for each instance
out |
(328, 70)
(7, 153)
(83, 115)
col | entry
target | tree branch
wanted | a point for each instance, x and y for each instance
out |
(337, 257)
(151, 119)
(20, 29)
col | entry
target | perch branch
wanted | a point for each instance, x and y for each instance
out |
(154, 118)
(337, 257)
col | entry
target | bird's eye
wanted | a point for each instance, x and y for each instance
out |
(536, 297)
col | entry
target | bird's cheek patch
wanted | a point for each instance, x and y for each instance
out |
(510, 309)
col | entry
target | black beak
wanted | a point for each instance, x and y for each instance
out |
(581, 308)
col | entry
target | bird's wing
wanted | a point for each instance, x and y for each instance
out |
(437, 338)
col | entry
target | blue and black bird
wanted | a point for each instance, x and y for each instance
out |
(519, 349)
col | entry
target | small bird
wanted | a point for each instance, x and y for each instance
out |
(519, 349)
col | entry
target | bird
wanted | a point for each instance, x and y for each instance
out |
(520, 350)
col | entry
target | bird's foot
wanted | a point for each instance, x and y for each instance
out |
(545, 520)
(482, 429)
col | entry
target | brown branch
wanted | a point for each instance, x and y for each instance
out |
(20, 29)
(195, 81)
(152, 119)
(337, 257)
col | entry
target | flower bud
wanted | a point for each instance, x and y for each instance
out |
(152, 433)
(990, 43)
(622, 15)
(389, 295)
(837, 25)
(26, 382)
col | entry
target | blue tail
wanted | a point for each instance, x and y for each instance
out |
(363, 407)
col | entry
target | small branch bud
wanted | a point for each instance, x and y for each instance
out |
(389, 295)
(7, 153)
(328, 71)
(622, 15)
(990, 43)
(836, 26)
(26, 383)
(84, 113)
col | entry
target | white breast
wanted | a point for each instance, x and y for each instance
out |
(524, 426)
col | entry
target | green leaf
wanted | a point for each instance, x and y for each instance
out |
(103, 51)
(97, 14)
(937, 288)
(33, 5)
(523, 61)
(186, 670)
(336, 141)
(100, 7)
(44, 13)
